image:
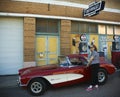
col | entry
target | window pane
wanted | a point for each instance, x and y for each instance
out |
(46, 26)
(117, 30)
(101, 29)
(41, 25)
(110, 29)
(83, 27)
(75, 27)
(53, 26)
(92, 28)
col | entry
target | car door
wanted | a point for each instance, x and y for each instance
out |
(75, 73)
(78, 72)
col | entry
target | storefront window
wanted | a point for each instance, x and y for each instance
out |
(101, 29)
(84, 27)
(110, 29)
(46, 26)
(79, 27)
(117, 30)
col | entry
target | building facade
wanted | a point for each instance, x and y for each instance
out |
(35, 32)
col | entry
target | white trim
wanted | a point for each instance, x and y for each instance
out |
(65, 3)
(57, 17)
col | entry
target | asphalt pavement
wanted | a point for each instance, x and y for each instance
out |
(9, 88)
(8, 81)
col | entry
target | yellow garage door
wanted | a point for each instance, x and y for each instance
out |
(46, 50)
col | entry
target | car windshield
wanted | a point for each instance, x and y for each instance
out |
(74, 61)
(78, 61)
(64, 61)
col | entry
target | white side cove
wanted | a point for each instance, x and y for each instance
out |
(11, 45)
(59, 78)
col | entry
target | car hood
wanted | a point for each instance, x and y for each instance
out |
(36, 69)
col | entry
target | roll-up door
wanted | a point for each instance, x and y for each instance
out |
(11, 45)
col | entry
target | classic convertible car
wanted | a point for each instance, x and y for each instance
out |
(69, 70)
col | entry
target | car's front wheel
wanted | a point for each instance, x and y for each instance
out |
(37, 87)
(102, 76)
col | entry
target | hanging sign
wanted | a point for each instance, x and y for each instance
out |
(94, 8)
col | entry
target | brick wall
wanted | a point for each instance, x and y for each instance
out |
(108, 3)
(55, 10)
(29, 39)
(65, 37)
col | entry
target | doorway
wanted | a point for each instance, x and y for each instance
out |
(47, 50)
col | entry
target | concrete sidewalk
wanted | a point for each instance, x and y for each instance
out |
(8, 81)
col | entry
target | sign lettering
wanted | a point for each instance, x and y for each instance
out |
(94, 8)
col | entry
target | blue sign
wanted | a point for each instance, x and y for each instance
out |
(94, 8)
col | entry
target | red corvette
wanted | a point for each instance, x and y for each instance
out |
(69, 70)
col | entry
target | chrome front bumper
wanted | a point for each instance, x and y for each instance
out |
(18, 81)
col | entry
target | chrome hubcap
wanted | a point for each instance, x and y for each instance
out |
(36, 87)
(101, 76)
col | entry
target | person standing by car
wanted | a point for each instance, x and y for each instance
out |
(93, 62)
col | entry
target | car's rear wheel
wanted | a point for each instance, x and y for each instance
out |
(102, 76)
(37, 87)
